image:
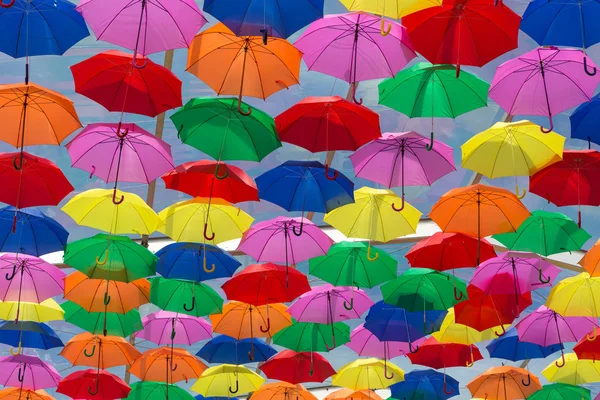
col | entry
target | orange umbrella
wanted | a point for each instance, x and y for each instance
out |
(282, 391)
(349, 394)
(242, 320)
(503, 383)
(34, 115)
(167, 365)
(99, 295)
(243, 66)
(19, 394)
(99, 351)
(591, 260)
(479, 211)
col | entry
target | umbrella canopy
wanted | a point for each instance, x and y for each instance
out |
(572, 371)
(584, 119)
(394, 9)
(227, 350)
(327, 304)
(166, 364)
(365, 343)
(28, 278)
(511, 347)
(561, 391)
(282, 391)
(425, 384)
(591, 260)
(31, 335)
(586, 349)
(575, 296)
(368, 373)
(505, 382)
(99, 351)
(157, 391)
(121, 325)
(292, 367)
(28, 372)
(226, 379)
(434, 354)
(47, 310)
(93, 384)
(310, 336)
(452, 332)
(18, 393)
(349, 394)
(195, 262)
(241, 320)
(184, 297)
(166, 327)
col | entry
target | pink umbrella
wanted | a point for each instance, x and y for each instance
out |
(351, 47)
(27, 372)
(546, 327)
(386, 159)
(28, 278)
(545, 81)
(165, 327)
(365, 343)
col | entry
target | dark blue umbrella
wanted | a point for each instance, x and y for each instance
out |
(509, 347)
(395, 324)
(227, 350)
(585, 121)
(28, 334)
(195, 262)
(34, 233)
(425, 385)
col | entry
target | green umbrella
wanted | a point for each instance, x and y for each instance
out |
(426, 90)
(184, 297)
(545, 233)
(117, 258)
(310, 336)
(348, 264)
(214, 126)
(561, 391)
(116, 324)
(157, 391)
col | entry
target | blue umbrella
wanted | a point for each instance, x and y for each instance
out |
(28, 334)
(195, 262)
(395, 324)
(227, 350)
(425, 385)
(31, 232)
(585, 121)
(509, 347)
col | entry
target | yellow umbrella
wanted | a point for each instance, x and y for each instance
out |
(572, 370)
(512, 149)
(95, 208)
(368, 373)
(395, 9)
(227, 380)
(198, 220)
(451, 332)
(47, 310)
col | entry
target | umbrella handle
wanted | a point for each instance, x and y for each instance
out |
(501, 333)
(98, 262)
(401, 207)
(514, 313)
(265, 36)
(385, 372)
(206, 233)
(470, 363)
(411, 349)
(14, 225)
(446, 389)
(8, 5)
(119, 134)
(299, 233)
(114, 198)
(369, 255)
(429, 146)
(251, 352)
(528, 381)
(334, 343)
(383, 30)
(548, 130)
(334, 176)
(19, 349)
(140, 66)
(578, 218)
(95, 392)
(349, 306)
(173, 369)
(19, 166)
(541, 277)
(220, 177)
(359, 101)
(268, 328)
(89, 355)
(593, 336)
(237, 387)
(244, 113)
(12, 275)
(585, 67)
(520, 195)
(207, 270)
(185, 307)
(458, 295)
(106, 298)
(21, 373)
(562, 356)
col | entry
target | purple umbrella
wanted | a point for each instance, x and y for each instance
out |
(28, 278)
(351, 47)
(27, 372)
(165, 327)
(386, 159)
(365, 343)
(546, 327)
(545, 81)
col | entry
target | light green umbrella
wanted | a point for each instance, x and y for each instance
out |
(561, 391)
(116, 324)
(310, 336)
(157, 391)
(184, 297)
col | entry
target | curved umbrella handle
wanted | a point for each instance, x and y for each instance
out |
(359, 101)
(206, 233)
(7, 5)
(446, 389)
(411, 349)
(299, 233)
(548, 130)
(89, 355)
(173, 367)
(334, 343)
(119, 134)
(185, 307)
(541, 277)
(369, 255)
(334, 176)
(12, 274)
(385, 372)
(21, 373)
(140, 66)
(429, 146)
(401, 207)
(114, 198)
(383, 30)
(585, 67)
(265, 36)
(458, 295)
(470, 363)
(528, 381)
(349, 306)
(207, 270)
(95, 391)
(514, 313)
(106, 298)
(221, 177)
(520, 195)
(239, 108)
(562, 356)
(268, 328)
(98, 262)
(251, 352)
(18, 166)
(501, 333)
(593, 336)
(237, 388)
(19, 349)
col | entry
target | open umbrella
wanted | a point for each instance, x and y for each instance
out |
(591, 260)
(452, 332)
(434, 354)
(117, 324)
(292, 367)
(573, 371)
(310, 336)
(561, 391)
(93, 385)
(97, 350)
(166, 327)
(195, 262)
(242, 320)
(425, 384)
(17, 393)
(167, 365)
(394, 9)
(511, 347)
(349, 394)
(575, 297)
(365, 343)
(282, 391)
(226, 380)
(584, 119)
(227, 350)
(157, 391)
(504, 383)
(326, 304)
(587, 350)
(368, 373)
(184, 297)
(28, 278)
(28, 372)
(32, 335)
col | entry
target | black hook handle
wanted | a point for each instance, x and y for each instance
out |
(541, 277)
(299, 233)
(89, 355)
(429, 146)
(95, 392)
(242, 112)
(221, 177)
(114, 198)
(18, 166)
(237, 387)
(21, 373)
(334, 176)
(265, 36)
(206, 233)
(411, 349)
(401, 207)
(385, 372)
(458, 295)
(12, 275)
(185, 307)
(357, 101)
(585, 67)
(528, 381)
(268, 328)
(349, 306)
(106, 298)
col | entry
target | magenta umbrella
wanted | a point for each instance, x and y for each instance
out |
(351, 47)
(364, 343)
(27, 372)
(546, 327)
(165, 327)
(387, 159)
(28, 278)
(544, 81)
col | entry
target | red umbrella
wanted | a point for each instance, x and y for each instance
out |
(438, 355)
(463, 32)
(260, 284)
(572, 181)
(295, 368)
(93, 385)
(445, 250)
(112, 80)
(207, 178)
(587, 349)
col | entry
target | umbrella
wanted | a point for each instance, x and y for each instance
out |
(34, 233)
(426, 90)
(365, 343)
(368, 373)
(241, 320)
(447, 250)
(387, 159)
(157, 391)
(32, 335)
(102, 351)
(121, 325)
(328, 124)
(292, 367)
(282, 391)
(18, 393)
(512, 149)
(591, 260)
(561, 391)
(425, 384)
(47, 310)
(192, 220)
(452, 332)
(518, 83)
(570, 181)
(305, 186)
(96, 208)
(28, 278)
(347, 264)
(260, 284)
(110, 257)
(585, 349)
(545, 233)
(504, 383)
(114, 80)
(165, 327)
(227, 350)
(394, 9)
(212, 126)
(463, 32)
(93, 385)
(206, 178)
(259, 72)
(511, 347)
(310, 336)
(584, 119)
(27, 372)
(573, 371)
(182, 261)
(168, 365)
(434, 354)
(184, 297)
(349, 394)
(226, 380)
(350, 47)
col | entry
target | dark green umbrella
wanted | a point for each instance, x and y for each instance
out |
(545, 233)
(349, 264)
(561, 391)
(157, 391)
(184, 297)
(310, 336)
(116, 324)
(117, 258)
